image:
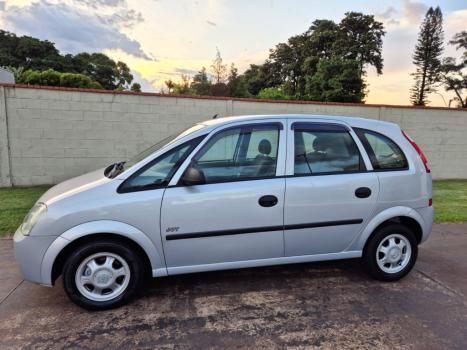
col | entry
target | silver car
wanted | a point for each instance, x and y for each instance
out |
(233, 193)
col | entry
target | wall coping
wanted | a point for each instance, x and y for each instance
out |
(222, 98)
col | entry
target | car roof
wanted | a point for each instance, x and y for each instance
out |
(351, 121)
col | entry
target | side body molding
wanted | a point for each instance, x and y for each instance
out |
(360, 240)
(102, 226)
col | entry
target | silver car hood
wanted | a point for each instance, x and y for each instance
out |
(73, 186)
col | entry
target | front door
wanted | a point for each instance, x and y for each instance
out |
(237, 215)
(330, 196)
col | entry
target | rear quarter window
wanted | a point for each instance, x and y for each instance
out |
(383, 152)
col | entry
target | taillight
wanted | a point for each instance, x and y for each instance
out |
(430, 202)
(419, 151)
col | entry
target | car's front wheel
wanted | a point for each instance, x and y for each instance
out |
(102, 275)
(390, 253)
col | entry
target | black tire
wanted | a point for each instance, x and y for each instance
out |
(369, 252)
(71, 265)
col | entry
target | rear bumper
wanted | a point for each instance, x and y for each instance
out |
(29, 252)
(427, 214)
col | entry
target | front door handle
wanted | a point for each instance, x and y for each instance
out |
(363, 192)
(268, 201)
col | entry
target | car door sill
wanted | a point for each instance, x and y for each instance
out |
(262, 262)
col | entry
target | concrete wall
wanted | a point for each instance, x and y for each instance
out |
(48, 135)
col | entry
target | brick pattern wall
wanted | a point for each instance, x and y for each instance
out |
(49, 135)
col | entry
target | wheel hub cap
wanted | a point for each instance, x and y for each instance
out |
(102, 276)
(393, 253)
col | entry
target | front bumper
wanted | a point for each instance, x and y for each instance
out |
(29, 253)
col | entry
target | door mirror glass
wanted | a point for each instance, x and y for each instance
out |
(193, 176)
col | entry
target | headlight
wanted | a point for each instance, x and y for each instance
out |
(33, 216)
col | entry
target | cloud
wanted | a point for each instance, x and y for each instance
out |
(414, 10)
(123, 18)
(388, 13)
(74, 30)
(185, 71)
(99, 3)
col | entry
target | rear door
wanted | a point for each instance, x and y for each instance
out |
(237, 215)
(330, 195)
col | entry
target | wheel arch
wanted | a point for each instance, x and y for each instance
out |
(396, 215)
(59, 250)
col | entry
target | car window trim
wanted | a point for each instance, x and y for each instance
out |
(196, 141)
(360, 132)
(327, 127)
(243, 128)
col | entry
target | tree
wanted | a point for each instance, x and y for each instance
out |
(273, 93)
(201, 85)
(219, 69)
(453, 74)
(336, 80)
(51, 77)
(291, 65)
(460, 40)
(170, 85)
(41, 55)
(183, 88)
(236, 84)
(427, 56)
(259, 77)
(361, 39)
(136, 87)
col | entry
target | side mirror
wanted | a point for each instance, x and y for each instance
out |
(193, 176)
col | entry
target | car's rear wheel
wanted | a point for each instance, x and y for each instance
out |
(390, 253)
(102, 275)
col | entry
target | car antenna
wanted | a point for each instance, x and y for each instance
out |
(215, 116)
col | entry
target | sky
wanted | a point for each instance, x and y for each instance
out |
(162, 39)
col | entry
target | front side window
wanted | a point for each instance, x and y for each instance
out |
(158, 173)
(325, 151)
(384, 154)
(240, 154)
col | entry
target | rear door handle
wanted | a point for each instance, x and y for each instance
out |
(363, 192)
(268, 201)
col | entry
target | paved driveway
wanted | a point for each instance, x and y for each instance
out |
(325, 305)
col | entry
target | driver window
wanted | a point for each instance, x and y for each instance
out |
(240, 154)
(158, 173)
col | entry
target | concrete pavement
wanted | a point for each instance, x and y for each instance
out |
(320, 305)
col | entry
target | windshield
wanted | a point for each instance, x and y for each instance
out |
(117, 168)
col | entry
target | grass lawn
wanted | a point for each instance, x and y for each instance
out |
(449, 200)
(14, 205)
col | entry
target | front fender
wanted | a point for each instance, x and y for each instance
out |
(360, 240)
(102, 226)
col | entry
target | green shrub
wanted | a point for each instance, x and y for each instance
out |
(273, 93)
(51, 77)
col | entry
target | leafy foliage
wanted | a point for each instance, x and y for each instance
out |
(293, 65)
(41, 55)
(453, 73)
(336, 80)
(51, 77)
(427, 56)
(273, 93)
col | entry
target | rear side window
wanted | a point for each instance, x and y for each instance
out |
(325, 150)
(384, 153)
